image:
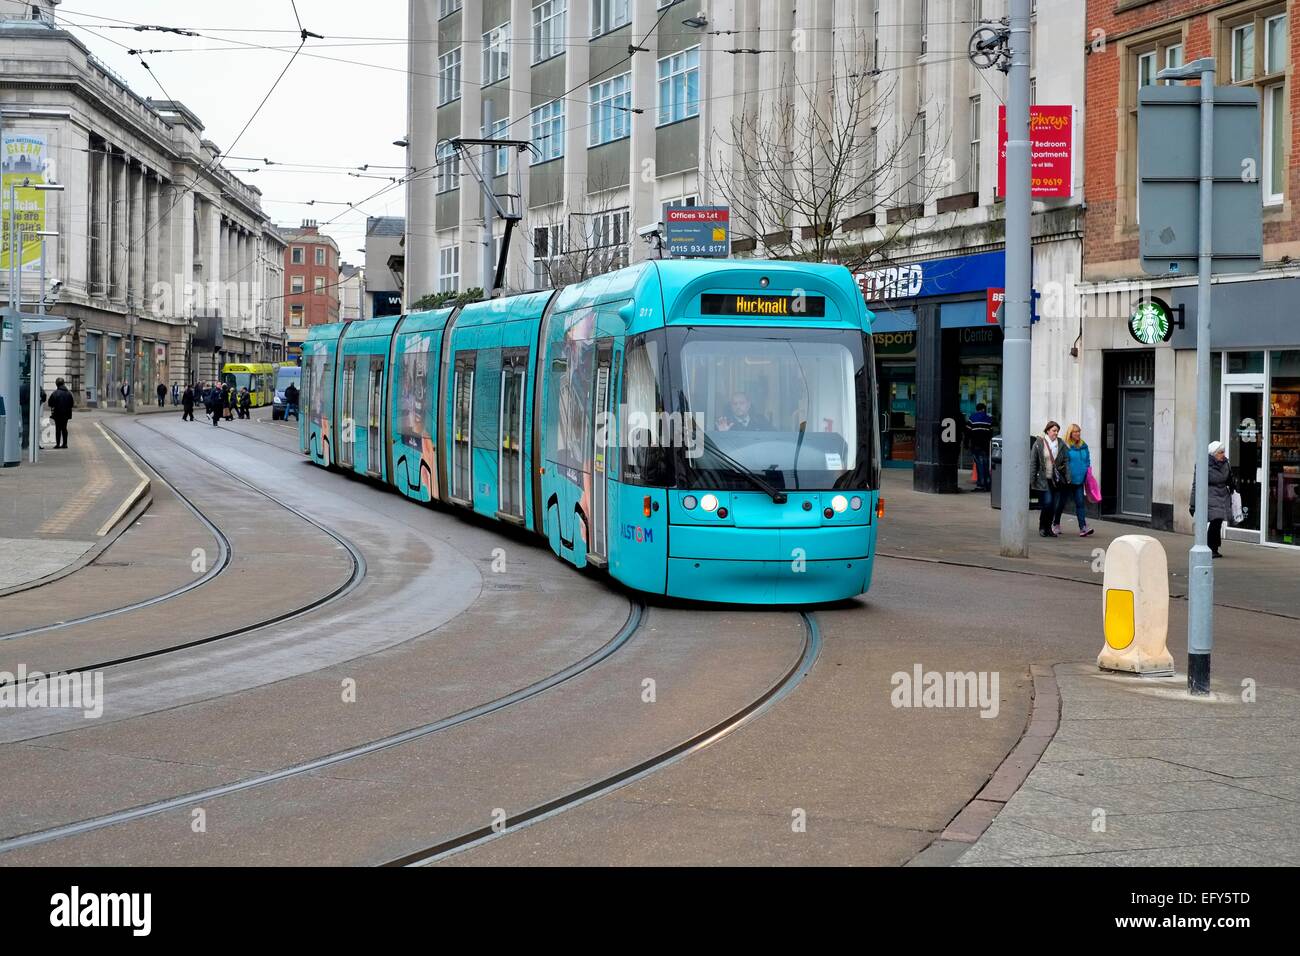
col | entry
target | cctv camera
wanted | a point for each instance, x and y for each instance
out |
(647, 232)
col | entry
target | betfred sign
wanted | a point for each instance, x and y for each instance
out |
(697, 231)
(994, 302)
(1051, 137)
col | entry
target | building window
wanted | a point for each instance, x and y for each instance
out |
(449, 268)
(609, 239)
(448, 177)
(501, 160)
(1259, 53)
(548, 246)
(923, 17)
(548, 132)
(679, 86)
(611, 104)
(320, 285)
(449, 77)
(320, 255)
(680, 202)
(296, 256)
(295, 285)
(973, 166)
(1173, 60)
(607, 15)
(447, 7)
(548, 29)
(496, 54)
(295, 315)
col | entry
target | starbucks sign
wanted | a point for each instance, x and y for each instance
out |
(1151, 322)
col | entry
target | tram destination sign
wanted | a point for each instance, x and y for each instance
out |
(739, 303)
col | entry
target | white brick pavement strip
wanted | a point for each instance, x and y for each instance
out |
(28, 559)
(1123, 784)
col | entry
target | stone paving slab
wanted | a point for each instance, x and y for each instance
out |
(1215, 789)
(55, 511)
(964, 529)
(28, 559)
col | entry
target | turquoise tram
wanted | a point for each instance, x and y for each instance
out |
(705, 430)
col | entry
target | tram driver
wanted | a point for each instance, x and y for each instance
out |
(743, 418)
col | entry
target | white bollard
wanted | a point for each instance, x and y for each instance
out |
(1135, 608)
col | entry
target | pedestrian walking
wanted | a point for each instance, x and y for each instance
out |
(61, 403)
(1079, 460)
(245, 402)
(187, 403)
(228, 400)
(162, 394)
(979, 430)
(217, 407)
(1049, 473)
(291, 402)
(1222, 487)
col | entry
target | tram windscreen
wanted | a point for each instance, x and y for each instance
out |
(790, 405)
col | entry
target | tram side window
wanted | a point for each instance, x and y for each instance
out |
(568, 423)
(645, 428)
(415, 396)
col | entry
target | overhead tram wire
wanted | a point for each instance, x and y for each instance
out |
(579, 40)
(216, 159)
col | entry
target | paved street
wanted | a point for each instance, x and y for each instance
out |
(833, 772)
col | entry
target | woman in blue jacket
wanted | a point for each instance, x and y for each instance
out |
(1080, 460)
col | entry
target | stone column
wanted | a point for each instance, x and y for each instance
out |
(100, 263)
(155, 233)
(212, 260)
(135, 259)
(121, 233)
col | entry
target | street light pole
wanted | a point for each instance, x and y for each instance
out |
(1015, 342)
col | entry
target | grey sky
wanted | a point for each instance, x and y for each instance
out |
(323, 112)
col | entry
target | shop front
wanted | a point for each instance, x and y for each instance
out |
(938, 355)
(1255, 398)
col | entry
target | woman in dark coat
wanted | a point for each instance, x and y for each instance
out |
(1222, 485)
(1049, 474)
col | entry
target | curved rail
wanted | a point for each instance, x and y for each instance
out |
(636, 614)
(788, 682)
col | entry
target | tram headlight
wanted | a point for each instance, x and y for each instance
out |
(689, 502)
(840, 504)
(855, 503)
(709, 503)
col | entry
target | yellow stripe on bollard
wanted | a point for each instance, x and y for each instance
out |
(1120, 624)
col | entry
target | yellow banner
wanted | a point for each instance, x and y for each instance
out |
(24, 162)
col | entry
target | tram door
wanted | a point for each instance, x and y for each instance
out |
(374, 414)
(462, 429)
(347, 413)
(510, 479)
(603, 420)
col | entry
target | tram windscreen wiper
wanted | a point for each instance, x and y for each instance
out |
(777, 495)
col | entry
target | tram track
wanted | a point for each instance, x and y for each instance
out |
(636, 616)
(599, 788)
(354, 579)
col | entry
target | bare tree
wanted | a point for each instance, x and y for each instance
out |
(821, 161)
(589, 237)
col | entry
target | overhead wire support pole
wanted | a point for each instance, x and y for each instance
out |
(1008, 48)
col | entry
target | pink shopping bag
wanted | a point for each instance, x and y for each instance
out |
(1091, 487)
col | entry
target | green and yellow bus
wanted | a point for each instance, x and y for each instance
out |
(258, 378)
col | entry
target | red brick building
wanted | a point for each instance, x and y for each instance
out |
(311, 275)
(1142, 396)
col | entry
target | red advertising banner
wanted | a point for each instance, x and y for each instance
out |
(1051, 137)
(993, 302)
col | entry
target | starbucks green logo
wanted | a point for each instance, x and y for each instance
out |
(1151, 322)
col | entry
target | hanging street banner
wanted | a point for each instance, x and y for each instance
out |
(24, 160)
(697, 231)
(1051, 148)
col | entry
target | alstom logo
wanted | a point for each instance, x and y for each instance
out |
(638, 534)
